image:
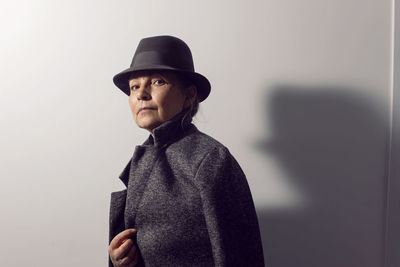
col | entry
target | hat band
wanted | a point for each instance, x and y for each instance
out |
(149, 58)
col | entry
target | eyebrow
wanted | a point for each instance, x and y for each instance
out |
(151, 76)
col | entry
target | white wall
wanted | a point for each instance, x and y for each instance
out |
(301, 96)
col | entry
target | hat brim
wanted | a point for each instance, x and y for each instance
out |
(121, 80)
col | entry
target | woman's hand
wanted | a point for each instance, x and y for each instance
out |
(123, 252)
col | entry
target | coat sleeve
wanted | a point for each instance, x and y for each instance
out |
(229, 211)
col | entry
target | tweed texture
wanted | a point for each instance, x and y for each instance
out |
(189, 201)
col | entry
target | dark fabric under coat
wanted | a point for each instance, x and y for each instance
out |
(189, 201)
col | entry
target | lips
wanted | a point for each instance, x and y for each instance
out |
(145, 108)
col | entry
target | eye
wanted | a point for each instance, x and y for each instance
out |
(159, 82)
(134, 87)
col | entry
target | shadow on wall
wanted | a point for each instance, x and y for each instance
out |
(332, 144)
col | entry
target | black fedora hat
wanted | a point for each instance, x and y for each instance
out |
(163, 53)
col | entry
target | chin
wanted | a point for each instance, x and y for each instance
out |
(148, 125)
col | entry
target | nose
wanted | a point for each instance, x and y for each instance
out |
(142, 93)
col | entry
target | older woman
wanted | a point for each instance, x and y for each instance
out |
(187, 201)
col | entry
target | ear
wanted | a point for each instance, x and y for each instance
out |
(191, 93)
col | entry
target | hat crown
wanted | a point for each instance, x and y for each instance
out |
(163, 51)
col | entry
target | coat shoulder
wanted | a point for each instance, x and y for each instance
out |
(198, 144)
(190, 150)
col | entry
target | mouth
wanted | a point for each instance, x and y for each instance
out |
(145, 109)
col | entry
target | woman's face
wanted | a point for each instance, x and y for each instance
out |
(156, 97)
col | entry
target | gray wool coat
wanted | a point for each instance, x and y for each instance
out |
(189, 201)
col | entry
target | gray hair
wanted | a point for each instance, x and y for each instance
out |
(191, 111)
(194, 107)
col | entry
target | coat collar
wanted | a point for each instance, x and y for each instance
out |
(169, 131)
(164, 135)
(124, 176)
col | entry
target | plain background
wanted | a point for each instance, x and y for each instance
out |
(301, 95)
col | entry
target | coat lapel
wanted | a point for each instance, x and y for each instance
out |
(117, 205)
(143, 161)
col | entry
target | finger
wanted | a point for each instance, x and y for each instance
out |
(118, 239)
(121, 237)
(131, 258)
(120, 252)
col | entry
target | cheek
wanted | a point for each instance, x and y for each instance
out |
(132, 105)
(172, 104)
